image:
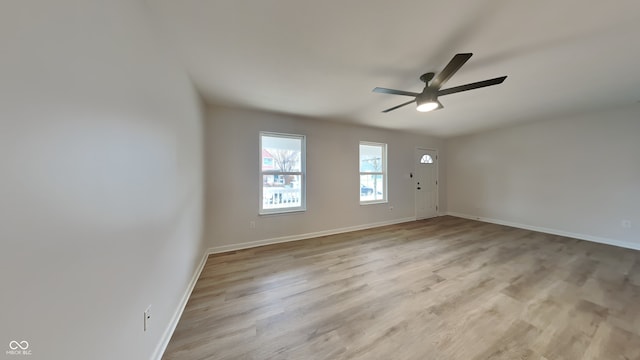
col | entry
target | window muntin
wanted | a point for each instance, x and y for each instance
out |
(373, 172)
(282, 173)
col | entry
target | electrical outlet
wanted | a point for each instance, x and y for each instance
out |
(626, 224)
(252, 224)
(147, 317)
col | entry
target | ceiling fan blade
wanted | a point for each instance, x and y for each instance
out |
(394, 92)
(399, 106)
(475, 85)
(452, 67)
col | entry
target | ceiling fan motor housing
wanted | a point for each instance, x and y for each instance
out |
(427, 95)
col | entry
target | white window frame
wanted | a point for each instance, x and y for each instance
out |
(302, 173)
(383, 172)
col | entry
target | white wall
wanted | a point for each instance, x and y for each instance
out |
(101, 185)
(232, 152)
(578, 175)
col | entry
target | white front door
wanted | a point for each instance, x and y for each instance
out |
(426, 183)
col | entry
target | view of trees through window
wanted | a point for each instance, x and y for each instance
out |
(282, 172)
(373, 170)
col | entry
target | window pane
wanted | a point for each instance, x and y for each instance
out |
(373, 168)
(371, 159)
(282, 166)
(371, 187)
(281, 191)
(426, 159)
(281, 154)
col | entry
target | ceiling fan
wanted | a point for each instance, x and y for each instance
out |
(427, 100)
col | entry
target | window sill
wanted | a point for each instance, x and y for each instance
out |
(373, 202)
(282, 212)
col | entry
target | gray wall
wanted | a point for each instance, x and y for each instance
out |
(232, 152)
(102, 182)
(578, 176)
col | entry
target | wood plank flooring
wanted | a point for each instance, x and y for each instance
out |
(444, 288)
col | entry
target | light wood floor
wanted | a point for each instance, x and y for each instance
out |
(445, 288)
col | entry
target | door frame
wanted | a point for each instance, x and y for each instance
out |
(415, 172)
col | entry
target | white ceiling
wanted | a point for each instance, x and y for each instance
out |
(322, 58)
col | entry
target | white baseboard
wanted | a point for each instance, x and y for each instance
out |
(596, 239)
(251, 244)
(166, 336)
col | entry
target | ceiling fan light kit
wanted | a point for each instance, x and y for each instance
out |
(428, 106)
(427, 100)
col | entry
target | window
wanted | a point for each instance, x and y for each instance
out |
(373, 172)
(282, 173)
(426, 159)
